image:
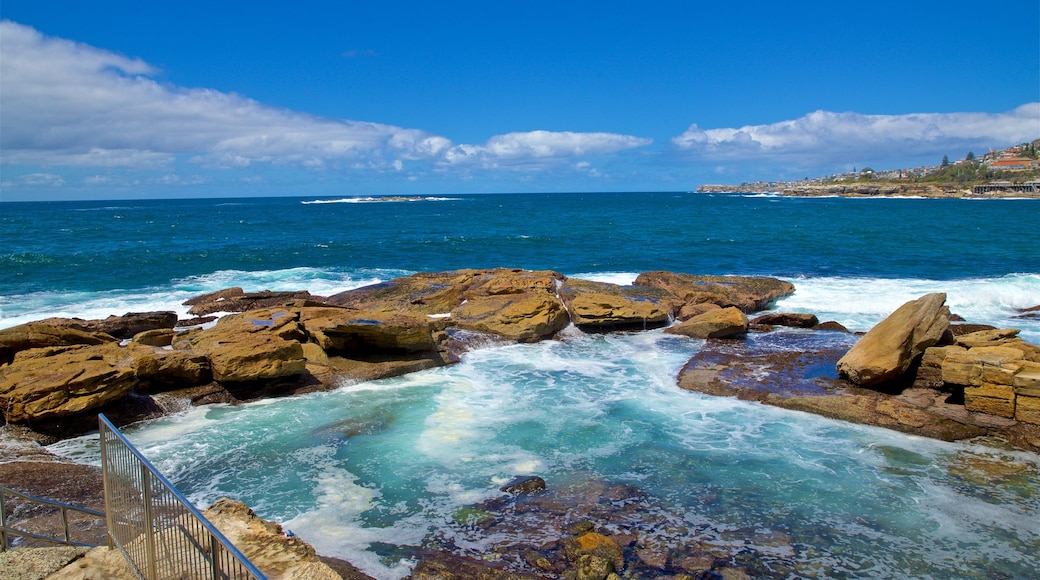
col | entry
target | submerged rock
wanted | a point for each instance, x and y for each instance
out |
(524, 484)
(793, 319)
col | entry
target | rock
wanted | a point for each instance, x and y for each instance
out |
(124, 326)
(37, 563)
(159, 370)
(688, 311)
(524, 484)
(340, 331)
(748, 293)
(266, 544)
(38, 335)
(720, 323)
(157, 337)
(42, 384)
(594, 544)
(235, 300)
(992, 337)
(516, 304)
(259, 345)
(793, 319)
(888, 349)
(523, 318)
(830, 325)
(446, 566)
(595, 306)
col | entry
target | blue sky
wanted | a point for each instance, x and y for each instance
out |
(143, 99)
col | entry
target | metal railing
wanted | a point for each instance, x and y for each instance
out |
(7, 530)
(159, 531)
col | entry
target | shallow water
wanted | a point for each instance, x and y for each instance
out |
(370, 472)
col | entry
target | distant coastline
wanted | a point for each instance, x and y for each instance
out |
(1008, 173)
(903, 190)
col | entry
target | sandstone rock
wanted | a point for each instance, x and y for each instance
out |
(65, 383)
(266, 544)
(235, 300)
(602, 306)
(1027, 409)
(341, 330)
(524, 318)
(748, 293)
(831, 325)
(252, 346)
(157, 337)
(160, 370)
(999, 406)
(39, 335)
(124, 326)
(995, 337)
(793, 319)
(430, 293)
(688, 311)
(721, 323)
(888, 349)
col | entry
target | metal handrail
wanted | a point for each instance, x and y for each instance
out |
(143, 506)
(64, 508)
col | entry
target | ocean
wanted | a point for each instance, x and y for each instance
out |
(376, 472)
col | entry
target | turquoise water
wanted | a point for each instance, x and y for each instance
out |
(371, 471)
(392, 462)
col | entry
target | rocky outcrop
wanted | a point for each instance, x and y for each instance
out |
(342, 331)
(47, 383)
(717, 323)
(997, 372)
(124, 326)
(748, 293)
(288, 342)
(158, 369)
(266, 544)
(598, 306)
(888, 349)
(798, 371)
(237, 300)
(264, 344)
(39, 335)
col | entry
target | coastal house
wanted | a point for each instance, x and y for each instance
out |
(1014, 164)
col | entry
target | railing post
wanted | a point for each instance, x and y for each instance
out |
(149, 524)
(214, 554)
(106, 483)
(65, 523)
(3, 523)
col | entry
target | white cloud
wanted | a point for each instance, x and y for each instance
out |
(65, 103)
(541, 148)
(821, 137)
(35, 180)
(69, 104)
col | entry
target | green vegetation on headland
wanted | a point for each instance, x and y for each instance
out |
(1011, 172)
